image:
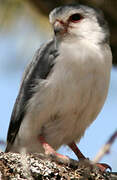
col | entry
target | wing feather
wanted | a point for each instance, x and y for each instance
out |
(39, 68)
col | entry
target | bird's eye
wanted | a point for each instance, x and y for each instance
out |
(75, 17)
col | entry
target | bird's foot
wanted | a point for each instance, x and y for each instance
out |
(49, 151)
(103, 167)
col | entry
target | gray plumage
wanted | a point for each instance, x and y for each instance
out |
(39, 68)
(66, 84)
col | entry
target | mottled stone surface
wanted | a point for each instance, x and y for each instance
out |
(36, 167)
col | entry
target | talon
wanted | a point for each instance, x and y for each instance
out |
(103, 167)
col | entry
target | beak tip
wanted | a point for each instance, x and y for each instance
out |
(58, 27)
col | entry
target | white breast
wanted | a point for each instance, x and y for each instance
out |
(79, 85)
(77, 73)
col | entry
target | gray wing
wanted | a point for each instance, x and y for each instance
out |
(39, 68)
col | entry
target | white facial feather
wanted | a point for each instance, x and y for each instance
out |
(91, 27)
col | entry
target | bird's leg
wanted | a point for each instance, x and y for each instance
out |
(80, 156)
(47, 148)
(76, 150)
(50, 151)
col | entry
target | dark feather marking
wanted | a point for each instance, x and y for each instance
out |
(39, 68)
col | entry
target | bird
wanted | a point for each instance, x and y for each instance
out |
(65, 85)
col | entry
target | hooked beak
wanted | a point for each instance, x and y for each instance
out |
(59, 27)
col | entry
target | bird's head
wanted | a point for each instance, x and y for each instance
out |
(79, 22)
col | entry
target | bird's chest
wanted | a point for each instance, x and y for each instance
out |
(77, 81)
(78, 89)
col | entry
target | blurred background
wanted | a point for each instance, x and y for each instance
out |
(24, 26)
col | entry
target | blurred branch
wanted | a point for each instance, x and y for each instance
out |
(2, 142)
(106, 148)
